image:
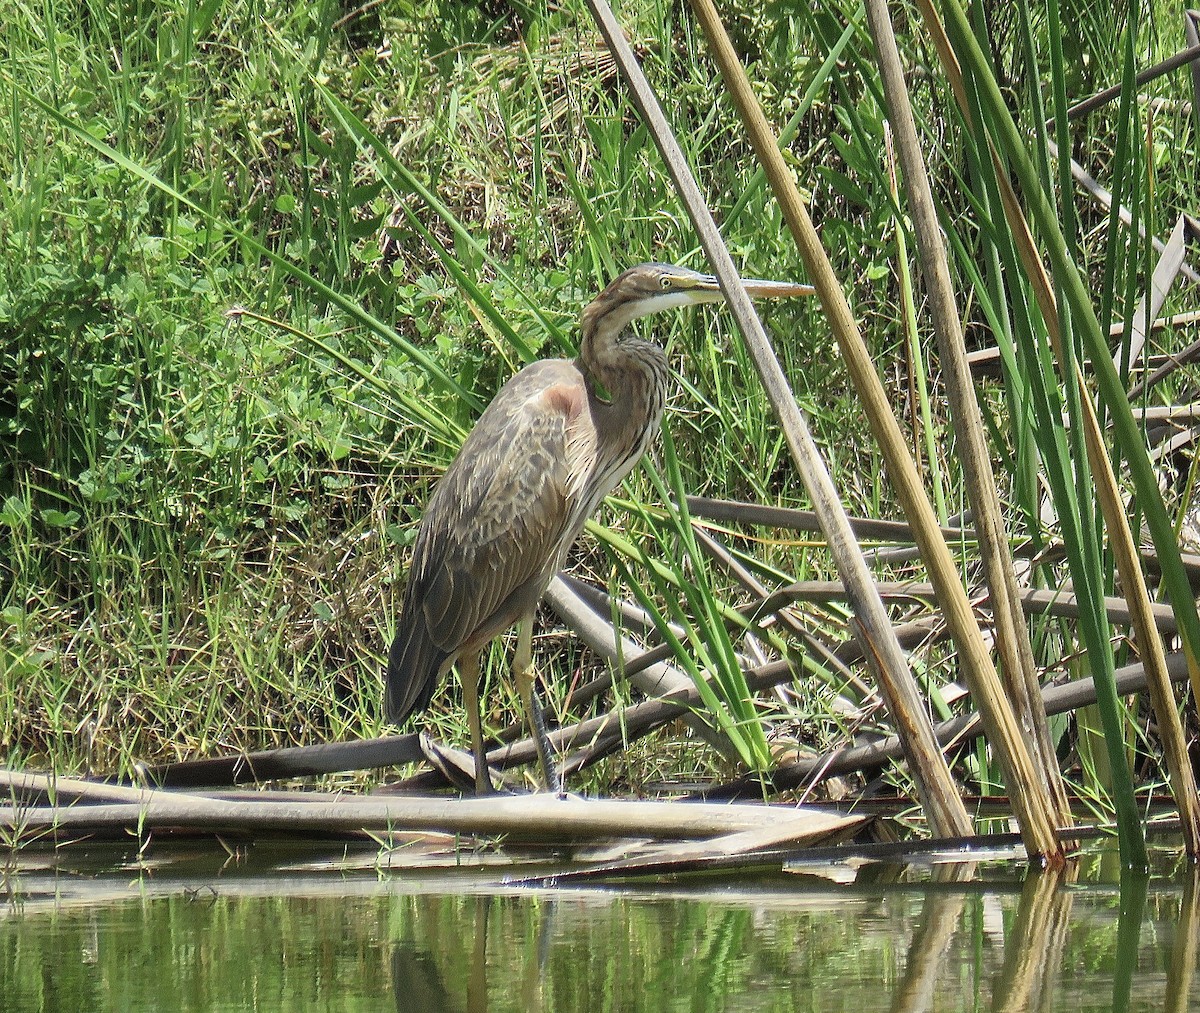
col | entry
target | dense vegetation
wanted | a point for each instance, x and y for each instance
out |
(262, 266)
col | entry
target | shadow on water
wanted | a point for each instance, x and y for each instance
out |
(276, 931)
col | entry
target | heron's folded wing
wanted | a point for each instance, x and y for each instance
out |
(495, 528)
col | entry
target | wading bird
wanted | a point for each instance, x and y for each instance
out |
(556, 439)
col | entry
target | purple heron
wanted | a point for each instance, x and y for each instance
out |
(555, 440)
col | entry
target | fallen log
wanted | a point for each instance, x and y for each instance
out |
(541, 818)
(291, 761)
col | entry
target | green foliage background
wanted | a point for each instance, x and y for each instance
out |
(211, 470)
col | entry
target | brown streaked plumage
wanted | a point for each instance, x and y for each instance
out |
(548, 448)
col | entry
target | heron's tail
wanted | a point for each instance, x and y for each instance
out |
(412, 673)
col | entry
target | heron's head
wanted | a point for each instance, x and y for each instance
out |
(652, 288)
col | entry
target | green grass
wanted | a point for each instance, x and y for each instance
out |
(259, 273)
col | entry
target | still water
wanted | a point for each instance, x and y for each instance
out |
(198, 930)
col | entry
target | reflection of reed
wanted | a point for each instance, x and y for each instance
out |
(1033, 950)
(1135, 885)
(532, 993)
(939, 918)
(477, 981)
(1184, 945)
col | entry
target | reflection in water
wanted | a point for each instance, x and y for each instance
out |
(1035, 947)
(902, 939)
(417, 984)
(477, 980)
(1182, 969)
(417, 981)
(934, 933)
(1134, 887)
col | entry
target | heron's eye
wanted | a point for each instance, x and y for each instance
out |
(664, 282)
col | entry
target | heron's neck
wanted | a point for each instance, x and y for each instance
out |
(633, 373)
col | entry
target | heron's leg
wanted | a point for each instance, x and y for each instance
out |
(524, 674)
(468, 674)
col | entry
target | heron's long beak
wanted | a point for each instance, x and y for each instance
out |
(707, 289)
(759, 289)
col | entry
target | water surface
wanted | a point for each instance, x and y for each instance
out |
(270, 929)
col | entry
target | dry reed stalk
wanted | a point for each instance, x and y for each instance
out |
(805, 520)
(1112, 506)
(1191, 55)
(1021, 773)
(1121, 543)
(935, 787)
(1017, 666)
(290, 761)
